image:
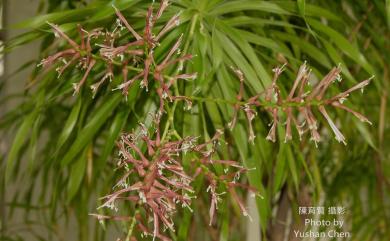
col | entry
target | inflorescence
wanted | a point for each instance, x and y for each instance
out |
(162, 183)
(155, 178)
(157, 182)
(299, 100)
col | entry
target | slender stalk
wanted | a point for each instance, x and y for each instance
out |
(263, 104)
(170, 121)
(132, 225)
(129, 67)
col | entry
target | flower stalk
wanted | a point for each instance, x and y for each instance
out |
(297, 105)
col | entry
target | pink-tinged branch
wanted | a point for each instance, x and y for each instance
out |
(163, 5)
(63, 35)
(299, 102)
(78, 85)
(172, 23)
(124, 21)
(338, 134)
(361, 117)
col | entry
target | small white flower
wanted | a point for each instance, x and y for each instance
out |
(339, 78)
(342, 99)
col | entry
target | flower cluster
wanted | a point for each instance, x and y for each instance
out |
(154, 178)
(134, 56)
(157, 182)
(77, 53)
(301, 99)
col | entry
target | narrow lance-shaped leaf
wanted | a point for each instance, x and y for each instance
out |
(70, 123)
(93, 125)
(77, 172)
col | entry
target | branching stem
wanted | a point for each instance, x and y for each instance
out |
(170, 122)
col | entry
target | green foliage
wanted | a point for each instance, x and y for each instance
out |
(66, 143)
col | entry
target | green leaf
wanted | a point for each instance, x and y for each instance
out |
(306, 47)
(315, 170)
(280, 172)
(217, 55)
(93, 125)
(184, 226)
(69, 124)
(388, 13)
(265, 42)
(335, 56)
(21, 40)
(301, 7)
(240, 62)
(244, 21)
(236, 6)
(34, 142)
(365, 133)
(226, 220)
(343, 44)
(107, 10)
(249, 52)
(113, 134)
(21, 136)
(77, 172)
(291, 161)
(18, 142)
(214, 114)
(57, 18)
(311, 10)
